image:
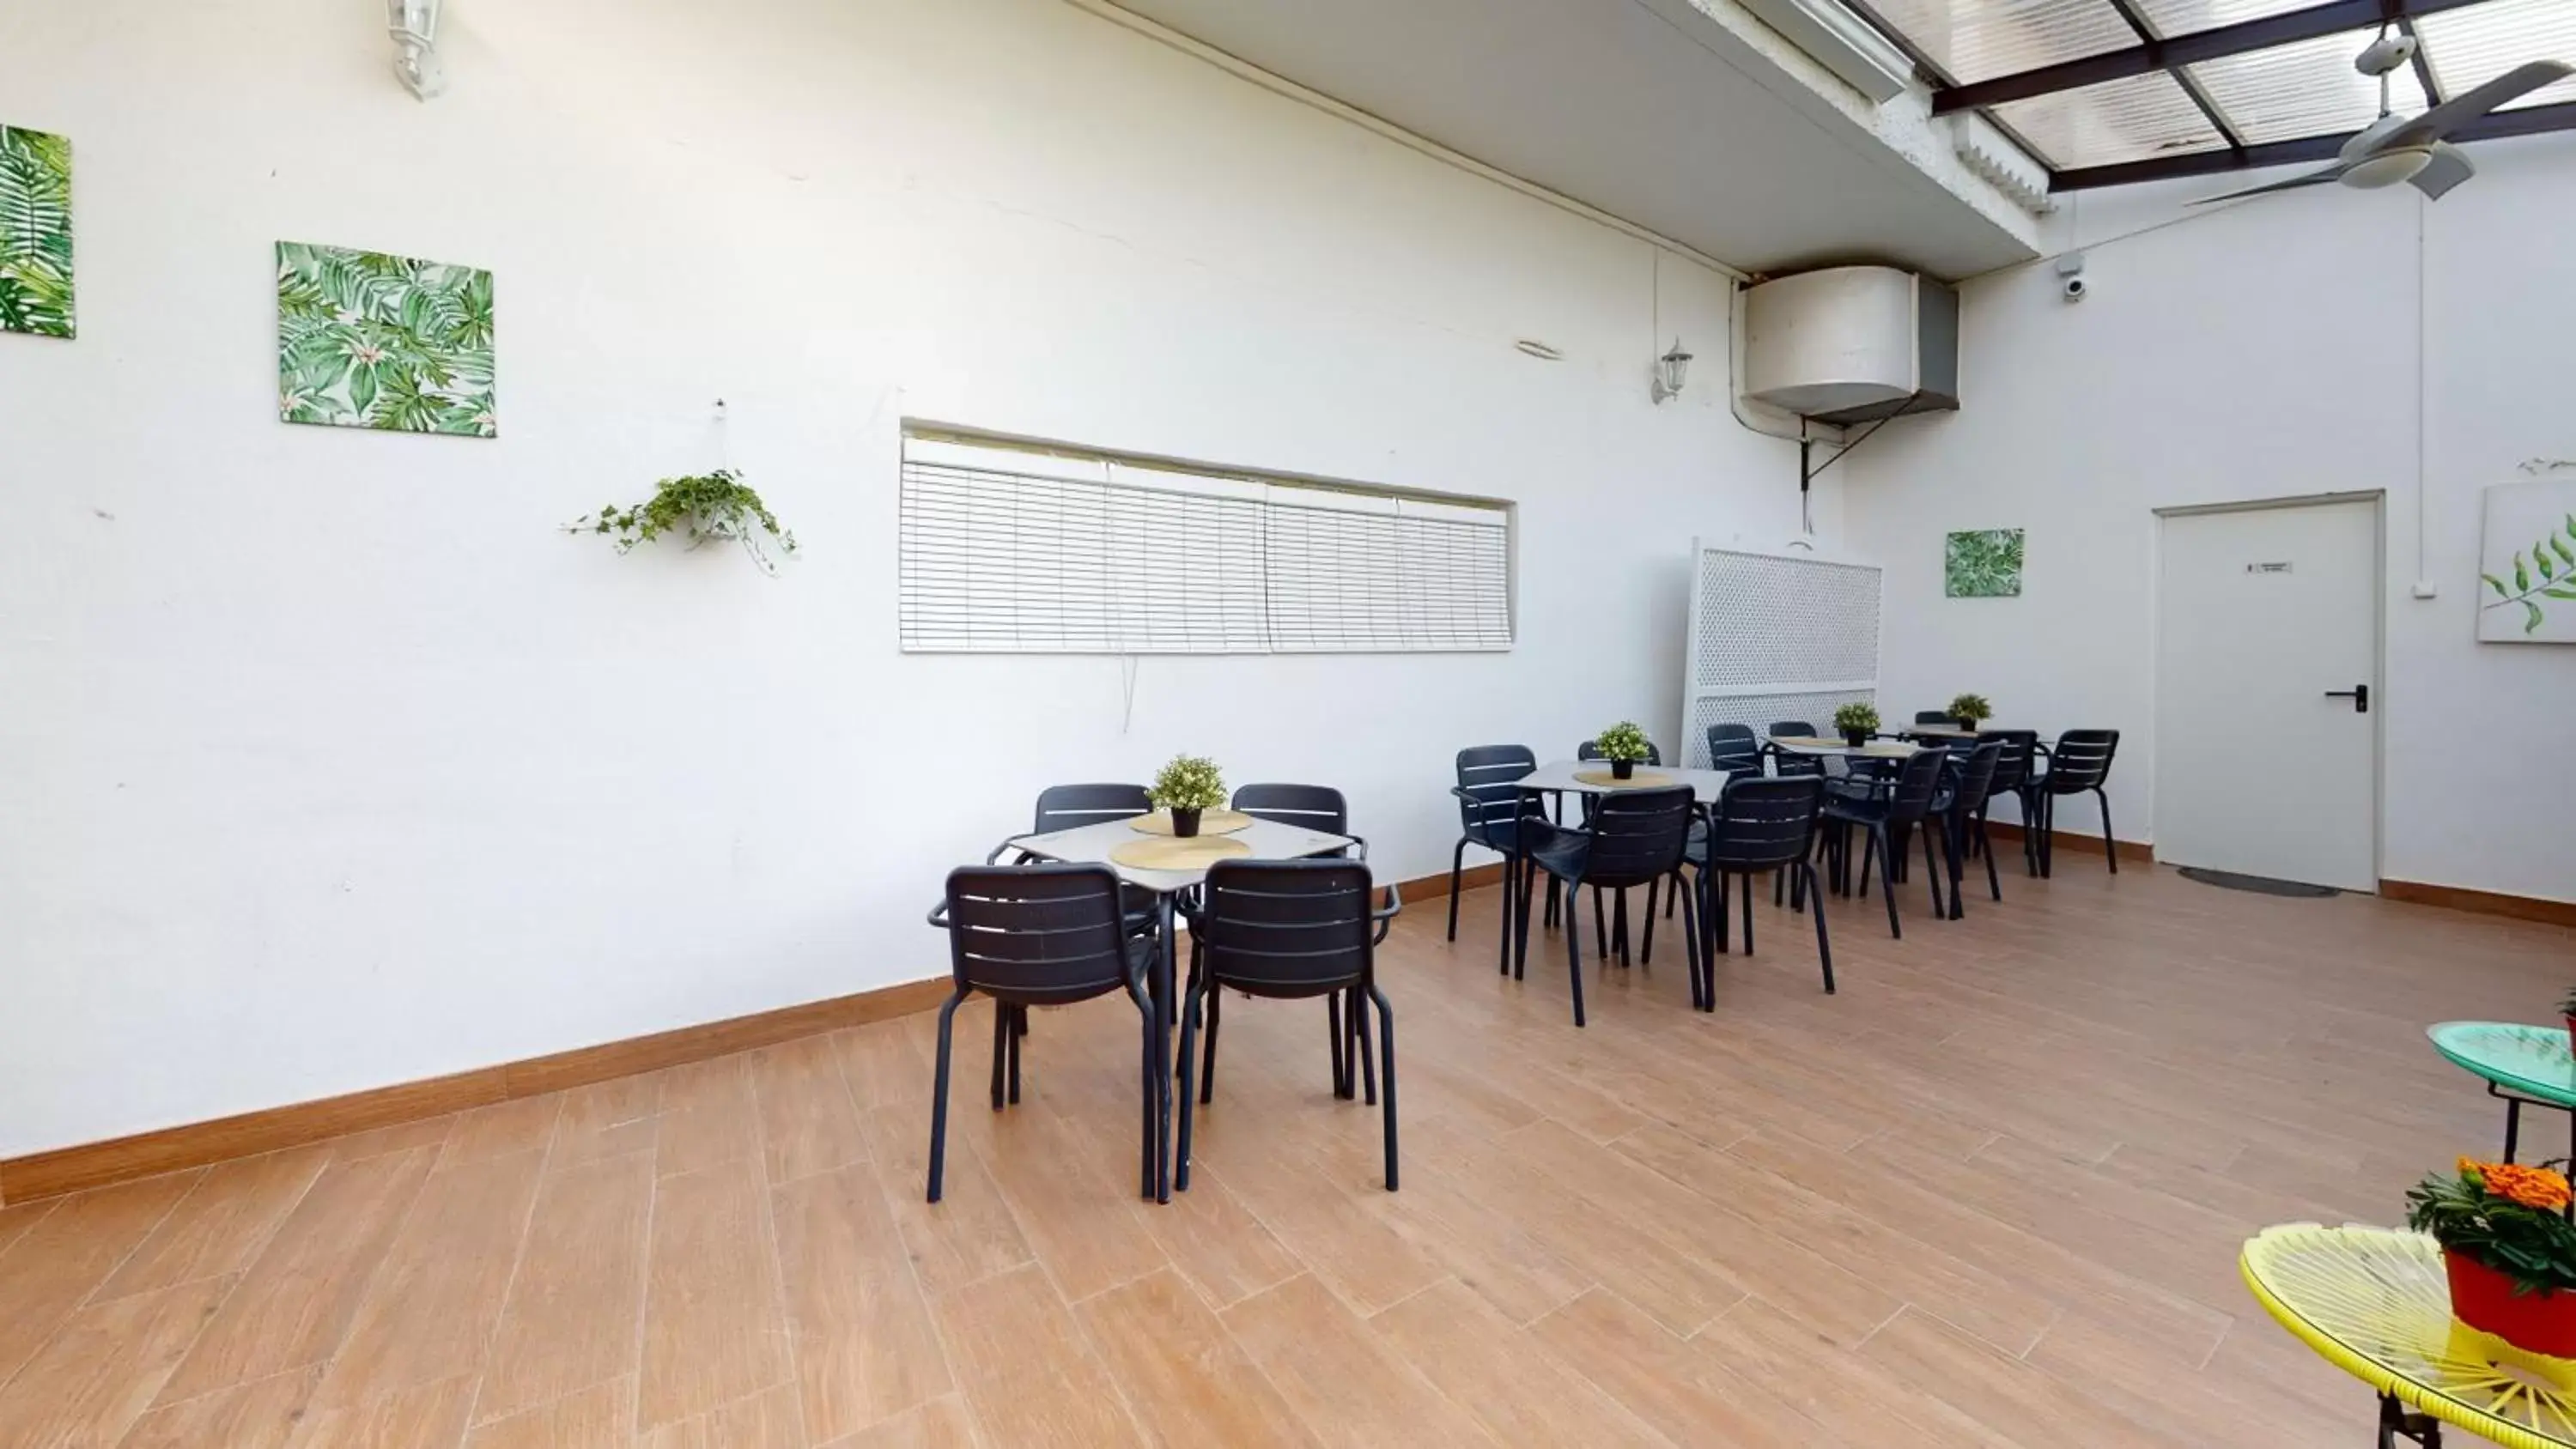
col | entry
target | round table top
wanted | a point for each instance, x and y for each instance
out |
(2374, 1302)
(2532, 1060)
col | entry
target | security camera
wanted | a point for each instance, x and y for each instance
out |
(2073, 289)
(2070, 277)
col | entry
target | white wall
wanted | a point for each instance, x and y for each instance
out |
(2259, 350)
(330, 763)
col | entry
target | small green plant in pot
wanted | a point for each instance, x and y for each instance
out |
(1857, 722)
(707, 507)
(1971, 710)
(1623, 745)
(1188, 785)
(2507, 1248)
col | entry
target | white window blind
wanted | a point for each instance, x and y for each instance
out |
(1057, 551)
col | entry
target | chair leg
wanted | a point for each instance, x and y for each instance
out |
(1341, 1045)
(1932, 871)
(2110, 848)
(1646, 946)
(1001, 1036)
(1019, 1029)
(1600, 927)
(1748, 913)
(1520, 933)
(1207, 1058)
(1824, 947)
(1703, 978)
(1574, 960)
(1669, 902)
(939, 1095)
(1360, 1045)
(1725, 907)
(1868, 857)
(1386, 1056)
(1189, 1082)
(1457, 867)
(1986, 847)
(1886, 880)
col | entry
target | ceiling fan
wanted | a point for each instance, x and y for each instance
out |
(2410, 148)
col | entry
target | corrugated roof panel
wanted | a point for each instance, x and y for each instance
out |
(1981, 39)
(2131, 119)
(2304, 89)
(2474, 45)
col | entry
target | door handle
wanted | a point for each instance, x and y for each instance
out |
(2359, 694)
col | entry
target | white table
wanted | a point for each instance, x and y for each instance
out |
(1829, 749)
(1091, 845)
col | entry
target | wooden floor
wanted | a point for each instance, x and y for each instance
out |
(1990, 1194)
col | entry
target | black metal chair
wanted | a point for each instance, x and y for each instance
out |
(1962, 808)
(1039, 935)
(1758, 825)
(1784, 763)
(1322, 808)
(1935, 717)
(1733, 747)
(2081, 762)
(1491, 806)
(1285, 928)
(1634, 838)
(2013, 777)
(1888, 814)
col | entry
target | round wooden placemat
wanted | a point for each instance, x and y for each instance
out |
(1637, 781)
(1211, 822)
(1166, 852)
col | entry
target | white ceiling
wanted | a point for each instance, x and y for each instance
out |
(1646, 109)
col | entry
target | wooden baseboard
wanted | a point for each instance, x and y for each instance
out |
(1433, 887)
(2492, 903)
(2137, 850)
(147, 1154)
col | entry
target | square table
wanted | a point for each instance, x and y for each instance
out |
(1091, 845)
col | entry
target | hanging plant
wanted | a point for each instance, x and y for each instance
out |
(707, 507)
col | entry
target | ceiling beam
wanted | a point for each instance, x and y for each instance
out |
(2177, 50)
(2530, 120)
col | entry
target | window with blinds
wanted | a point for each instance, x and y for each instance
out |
(1019, 549)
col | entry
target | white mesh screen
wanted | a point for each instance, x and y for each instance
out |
(1777, 637)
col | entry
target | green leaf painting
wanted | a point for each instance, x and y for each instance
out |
(1984, 564)
(35, 233)
(365, 340)
(2529, 564)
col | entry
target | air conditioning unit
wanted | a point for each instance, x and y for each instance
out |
(1850, 344)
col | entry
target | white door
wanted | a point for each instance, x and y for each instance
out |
(2266, 751)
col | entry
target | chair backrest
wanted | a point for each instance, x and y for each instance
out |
(1591, 750)
(1917, 780)
(1934, 716)
(2012, 767)
(1762, 823)
(1284, 927)
(1062, 807)
(1488, 774)
(1789, 764)
(1733, 747)
(1036, 933)
(1976, 776)
(1316, 807)
(1638, 835)
(2082, 760)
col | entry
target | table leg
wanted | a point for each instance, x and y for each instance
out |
(1511, 894)
(2512, 1125)
(1162, 1186)
(2396, 1421)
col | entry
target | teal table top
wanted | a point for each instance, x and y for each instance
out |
(2532, 1060)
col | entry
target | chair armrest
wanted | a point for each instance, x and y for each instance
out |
(1385, 915)
(939, 915)
(994, 856)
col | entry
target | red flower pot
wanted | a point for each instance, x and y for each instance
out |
(2484, 1299)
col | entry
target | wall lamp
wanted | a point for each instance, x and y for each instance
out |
(1670, 370)
(414, 25)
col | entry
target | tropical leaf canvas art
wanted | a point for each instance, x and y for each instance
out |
(35, 233)
(2527, 570)
(366, 340)
(1983, 564)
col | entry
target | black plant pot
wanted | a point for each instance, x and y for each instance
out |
(1967, 724)
(1856, 738)
(1623, 769)
(1185, 823)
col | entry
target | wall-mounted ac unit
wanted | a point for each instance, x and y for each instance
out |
(1850, 344)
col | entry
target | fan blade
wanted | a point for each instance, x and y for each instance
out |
(2313, 178)
(2448, 168)
(2468, 105)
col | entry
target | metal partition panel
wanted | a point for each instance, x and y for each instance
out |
(1776, 637)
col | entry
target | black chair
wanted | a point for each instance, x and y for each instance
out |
(1785, 763)
(1322, 808)
(1733, 747)
(1758, 825)
(1285, 928)
(2013, 777)
(1962, 808)
(2081, 762)
(1634, 838)
(1070, 807)
(1889, 813)
(1039, 935)
(1490, 809)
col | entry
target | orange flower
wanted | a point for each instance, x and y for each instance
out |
(2533, 1187)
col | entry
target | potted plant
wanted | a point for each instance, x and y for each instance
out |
(1971, 710)
(1857, 723)
(1188, 785)
(2567, 1009)
(708, 507)
(1623, 745)
(2508, 1248)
